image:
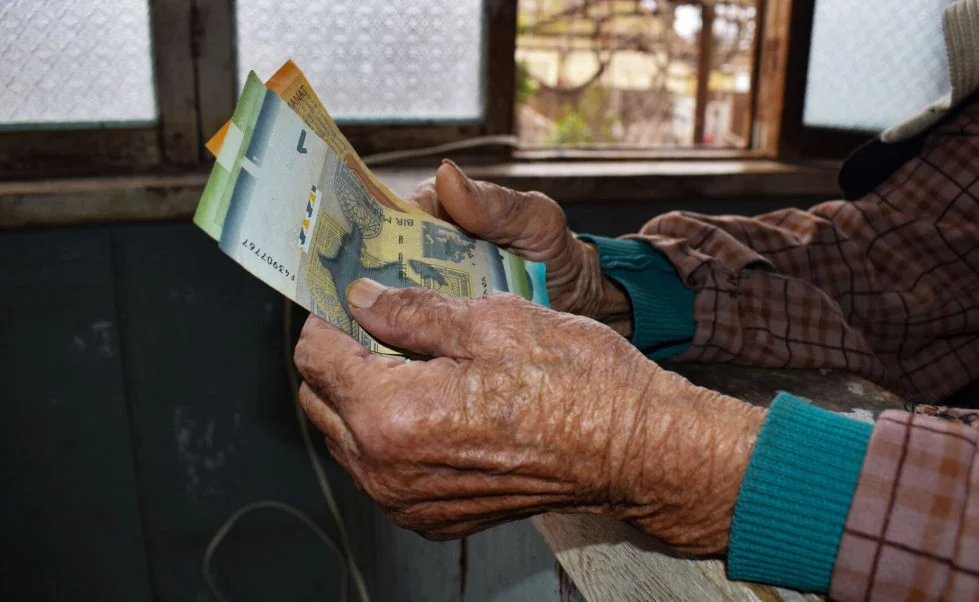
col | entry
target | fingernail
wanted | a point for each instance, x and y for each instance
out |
(465, 179)
(364, 292)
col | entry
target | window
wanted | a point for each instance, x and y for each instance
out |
(76, 62)
(634, 73)
(93, 87)
(373, 61)
(868, 69)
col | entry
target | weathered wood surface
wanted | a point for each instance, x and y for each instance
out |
(610, 561)
(830, 389)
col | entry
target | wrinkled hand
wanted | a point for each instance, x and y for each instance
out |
(521, 410)
(532, 225)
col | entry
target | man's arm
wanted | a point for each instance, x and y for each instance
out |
(913, 527)
(886, 286)
(829, 505)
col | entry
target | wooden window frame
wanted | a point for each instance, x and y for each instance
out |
(193, 47)
(119, 149)
(55, 176)
(194, 56)
(781, 72)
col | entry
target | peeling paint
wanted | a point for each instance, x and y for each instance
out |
(104, 333)
(200, 448)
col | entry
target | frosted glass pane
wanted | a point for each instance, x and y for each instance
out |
(71, 61)
(874, 63)
(372, 60)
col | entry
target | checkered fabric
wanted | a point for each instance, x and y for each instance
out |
(886, 286)
(913, 528)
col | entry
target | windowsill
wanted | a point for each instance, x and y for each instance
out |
(143, 198)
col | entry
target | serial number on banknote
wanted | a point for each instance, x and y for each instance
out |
(268, 259)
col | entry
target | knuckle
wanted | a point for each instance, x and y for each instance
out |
(301, 354)
(415, 308)
(386, 497)
(422, 520)
(482, 321)
(540, 199)
(306, 397)
(547, 212)
(406, 303)
(305, 360)
(546, 204)
(403, 309)
(433, 534)
(479, 331)
(403, 518)
(383, 434)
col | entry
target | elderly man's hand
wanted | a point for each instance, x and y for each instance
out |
(521, 410)
(532, 225)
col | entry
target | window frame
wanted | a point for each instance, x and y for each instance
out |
(194, 57)
(193, 46)
(173, 140)
(783, 135)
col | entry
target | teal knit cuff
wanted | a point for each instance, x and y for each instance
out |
(796, 495)
(662, 306)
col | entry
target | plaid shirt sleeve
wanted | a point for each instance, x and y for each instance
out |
(885, 286)
(912, 532)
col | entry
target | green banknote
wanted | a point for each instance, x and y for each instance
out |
(300, 217)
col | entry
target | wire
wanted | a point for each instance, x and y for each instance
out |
(346, 556)
(314, 459)
(266, 505)
(415, 153)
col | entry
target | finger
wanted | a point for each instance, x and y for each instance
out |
(323, 416)
(426, 198)
(415, 319)
(454, 531)
(333, 363)
(446, 520)
(339, 440)
(525, 221)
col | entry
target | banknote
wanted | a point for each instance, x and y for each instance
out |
(291, 85)
(300, 217)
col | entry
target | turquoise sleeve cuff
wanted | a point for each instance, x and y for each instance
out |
(795, 496)
(662, 306)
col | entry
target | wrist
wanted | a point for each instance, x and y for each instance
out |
(796, 493)
(683, 485)
(607, 301)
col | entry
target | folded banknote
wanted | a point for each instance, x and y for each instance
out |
(291, 85)
(309, 220)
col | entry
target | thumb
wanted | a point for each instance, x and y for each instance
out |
(526, 221)
(414, 319)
